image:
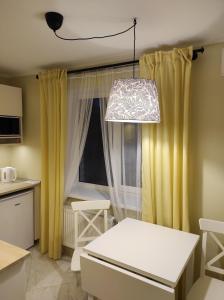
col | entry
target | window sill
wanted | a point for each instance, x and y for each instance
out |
(85, 192)
(90, 192)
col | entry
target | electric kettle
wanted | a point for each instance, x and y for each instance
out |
(8, 174)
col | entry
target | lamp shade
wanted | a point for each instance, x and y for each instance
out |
(133, 101)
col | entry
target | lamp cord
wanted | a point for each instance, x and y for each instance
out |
(134, 25)
(96, 37)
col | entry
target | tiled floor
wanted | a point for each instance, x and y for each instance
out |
(52, 280)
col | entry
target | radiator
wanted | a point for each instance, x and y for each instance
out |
(68, 228)
(69, 225)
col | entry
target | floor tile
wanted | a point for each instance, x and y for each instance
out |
(52, 280)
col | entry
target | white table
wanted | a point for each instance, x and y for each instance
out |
(136, 260)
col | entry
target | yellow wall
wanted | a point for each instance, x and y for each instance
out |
(5, 156)
(4, 80)
(5, 151)
(207, 137)
(26, 157)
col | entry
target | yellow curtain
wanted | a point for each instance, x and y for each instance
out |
(165, 145)
(53, 99)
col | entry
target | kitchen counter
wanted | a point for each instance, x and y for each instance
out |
(10, 254)
(18, 185)
(14, 270)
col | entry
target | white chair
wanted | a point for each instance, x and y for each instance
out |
(208, 288)
(84, 209)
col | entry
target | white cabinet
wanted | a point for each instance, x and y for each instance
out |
(10, 101)
(14, 264)
(10, 114)
(16, 219)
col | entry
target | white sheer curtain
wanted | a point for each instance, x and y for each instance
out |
(80, 99)
(121, 142)
(122, 152)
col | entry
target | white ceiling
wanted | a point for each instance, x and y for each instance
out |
(27, 45)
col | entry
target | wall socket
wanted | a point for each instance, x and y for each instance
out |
(222, 62)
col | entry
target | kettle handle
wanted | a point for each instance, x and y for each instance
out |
(3, 174)
(15, 175)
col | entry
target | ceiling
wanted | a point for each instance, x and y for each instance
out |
(28, 45)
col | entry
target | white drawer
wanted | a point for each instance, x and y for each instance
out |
(109, 282)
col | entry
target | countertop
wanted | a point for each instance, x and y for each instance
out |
(18, 185)
(10, 254)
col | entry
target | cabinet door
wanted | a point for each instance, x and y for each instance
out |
(16, 219)
(10, 100)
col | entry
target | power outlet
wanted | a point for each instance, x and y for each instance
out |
(222, 62)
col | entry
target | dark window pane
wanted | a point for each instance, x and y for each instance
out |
(130, 154)
(92, 166)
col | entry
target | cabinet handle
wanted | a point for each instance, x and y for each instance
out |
(17, 204)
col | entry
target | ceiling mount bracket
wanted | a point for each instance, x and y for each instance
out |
(54, 20)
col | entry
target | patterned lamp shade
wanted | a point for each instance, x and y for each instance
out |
(133, 101)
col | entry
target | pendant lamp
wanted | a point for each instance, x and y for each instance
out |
(133, 100)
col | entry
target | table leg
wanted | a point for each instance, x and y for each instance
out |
(180, 289)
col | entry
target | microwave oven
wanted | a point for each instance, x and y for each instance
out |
(10, 129)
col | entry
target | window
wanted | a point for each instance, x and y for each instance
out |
(92, 166)
(130, 155)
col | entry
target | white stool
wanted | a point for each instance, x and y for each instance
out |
(207, 288)
(81, 209)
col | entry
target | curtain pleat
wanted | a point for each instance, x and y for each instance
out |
(165, 146)
(53, 99)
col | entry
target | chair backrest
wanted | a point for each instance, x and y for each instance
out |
(83, 209)
(210, 227)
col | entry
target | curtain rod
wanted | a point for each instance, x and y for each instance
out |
(122, 64)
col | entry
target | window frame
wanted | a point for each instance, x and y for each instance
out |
(87, 184)
(130, 190)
